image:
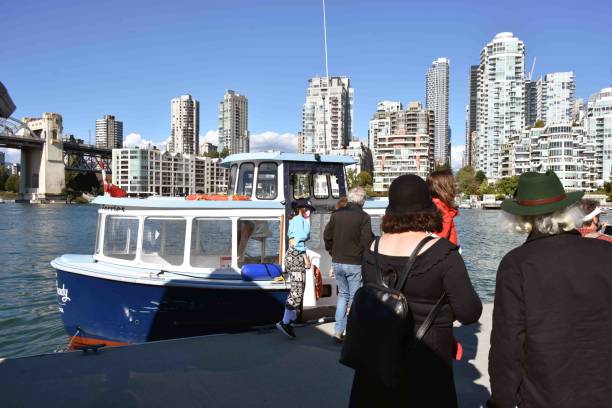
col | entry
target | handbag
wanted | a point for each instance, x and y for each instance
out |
(380, 329)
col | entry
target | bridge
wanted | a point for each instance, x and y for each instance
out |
(45, 156)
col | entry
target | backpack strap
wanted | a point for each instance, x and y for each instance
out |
(379, 278)
(411, 261)
(430, 318)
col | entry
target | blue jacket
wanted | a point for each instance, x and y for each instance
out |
(299, 232)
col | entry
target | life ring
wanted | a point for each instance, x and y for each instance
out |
(216, 197)
(318, 282)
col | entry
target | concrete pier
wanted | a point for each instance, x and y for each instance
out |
(254, 369)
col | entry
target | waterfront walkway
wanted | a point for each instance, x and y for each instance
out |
(253, 369)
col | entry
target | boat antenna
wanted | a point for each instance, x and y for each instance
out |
(326, 80)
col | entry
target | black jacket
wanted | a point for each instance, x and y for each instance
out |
(430, 381)
(551, 344)
(346, 235)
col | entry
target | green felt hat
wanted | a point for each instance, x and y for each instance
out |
(538, 194)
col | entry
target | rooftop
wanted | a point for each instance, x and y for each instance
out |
(280, 156)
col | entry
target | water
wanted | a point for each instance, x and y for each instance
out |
(32, 235)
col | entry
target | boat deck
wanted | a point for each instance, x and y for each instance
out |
(253, 369)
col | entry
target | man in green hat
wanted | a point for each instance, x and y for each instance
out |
(552, 318)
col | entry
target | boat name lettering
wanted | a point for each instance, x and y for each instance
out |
(63, 292)
(113, 208)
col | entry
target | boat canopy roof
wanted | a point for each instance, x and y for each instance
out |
(182, 203)
(280, 156)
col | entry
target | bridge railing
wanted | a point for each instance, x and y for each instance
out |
(11, 127)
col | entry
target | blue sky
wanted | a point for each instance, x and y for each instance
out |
(129, 58)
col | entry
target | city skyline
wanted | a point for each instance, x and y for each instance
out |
(137, 88)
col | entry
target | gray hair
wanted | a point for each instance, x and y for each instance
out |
(357, 195)
(566, 219)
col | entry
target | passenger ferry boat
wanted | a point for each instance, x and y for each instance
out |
(176, 267)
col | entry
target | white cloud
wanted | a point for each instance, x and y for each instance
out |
(11, 155)
(269, 140)
(457, 156)
(136, 140)
(212, 136)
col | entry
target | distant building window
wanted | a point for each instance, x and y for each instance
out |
(211, 243)
(120, 237)
(163, 241)
(267, 181)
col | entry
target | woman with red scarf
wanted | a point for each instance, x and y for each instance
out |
(442, 186)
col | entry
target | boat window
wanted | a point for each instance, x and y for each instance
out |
(232, 179)
(321, 189)
(245, 179)
(318, 221)
(376, 220)
(267, 181)
(211, 243)
(258, 241)
(335, 186)
(98, 232)
(120, 237)
(163, 241)
(301, 185)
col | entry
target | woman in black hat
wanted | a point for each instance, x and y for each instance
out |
(552, 318)
(296, 263)
(410, 217)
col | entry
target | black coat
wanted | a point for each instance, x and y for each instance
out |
(430, 382)
(551, 344)
(347, 234)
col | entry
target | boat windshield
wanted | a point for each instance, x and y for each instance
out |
(163, 241)
(245, 179)
(120, 237)
(267, 181)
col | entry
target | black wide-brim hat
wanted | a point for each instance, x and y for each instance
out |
(302, 203)
(409, 194)
(539, 194)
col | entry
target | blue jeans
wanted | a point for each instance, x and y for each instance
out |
(348, 278)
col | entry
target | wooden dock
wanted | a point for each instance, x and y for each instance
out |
(254, 369)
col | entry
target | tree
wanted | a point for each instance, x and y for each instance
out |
(480, 176)
(539, 124)
(364, 179)
(3, 177)
(12, 184)
(506, 186)
(440, 167)
(224, 153)
(484, 188)
(351, 178)
(464, 179)
(214, 154)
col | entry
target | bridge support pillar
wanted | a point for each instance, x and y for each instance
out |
(42, 170)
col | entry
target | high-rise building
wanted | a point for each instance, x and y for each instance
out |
(501, 99)
(437, 79)
(109, 132)
(185, 125)
(327, 114)
(531, 102)
(234, 123)
(383, 123)
(408, 149)
(556, 96)
(470, 115)
(599, 130)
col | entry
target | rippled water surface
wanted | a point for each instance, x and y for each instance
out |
(32, 235)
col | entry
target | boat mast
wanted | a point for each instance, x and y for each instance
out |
(326, 80)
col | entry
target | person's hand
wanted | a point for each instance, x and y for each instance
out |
(307, 263)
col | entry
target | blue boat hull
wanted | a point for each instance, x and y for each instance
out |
(115, 313)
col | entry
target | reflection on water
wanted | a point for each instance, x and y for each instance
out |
(32, 235)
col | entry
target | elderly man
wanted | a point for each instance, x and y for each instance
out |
(347, 234)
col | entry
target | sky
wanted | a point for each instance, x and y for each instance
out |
(130, 58)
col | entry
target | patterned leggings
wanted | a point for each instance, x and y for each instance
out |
(296, 268)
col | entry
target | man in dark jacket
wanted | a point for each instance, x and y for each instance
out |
(347, 234)
(552, 318)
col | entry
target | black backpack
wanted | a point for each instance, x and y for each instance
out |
(380, 330)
